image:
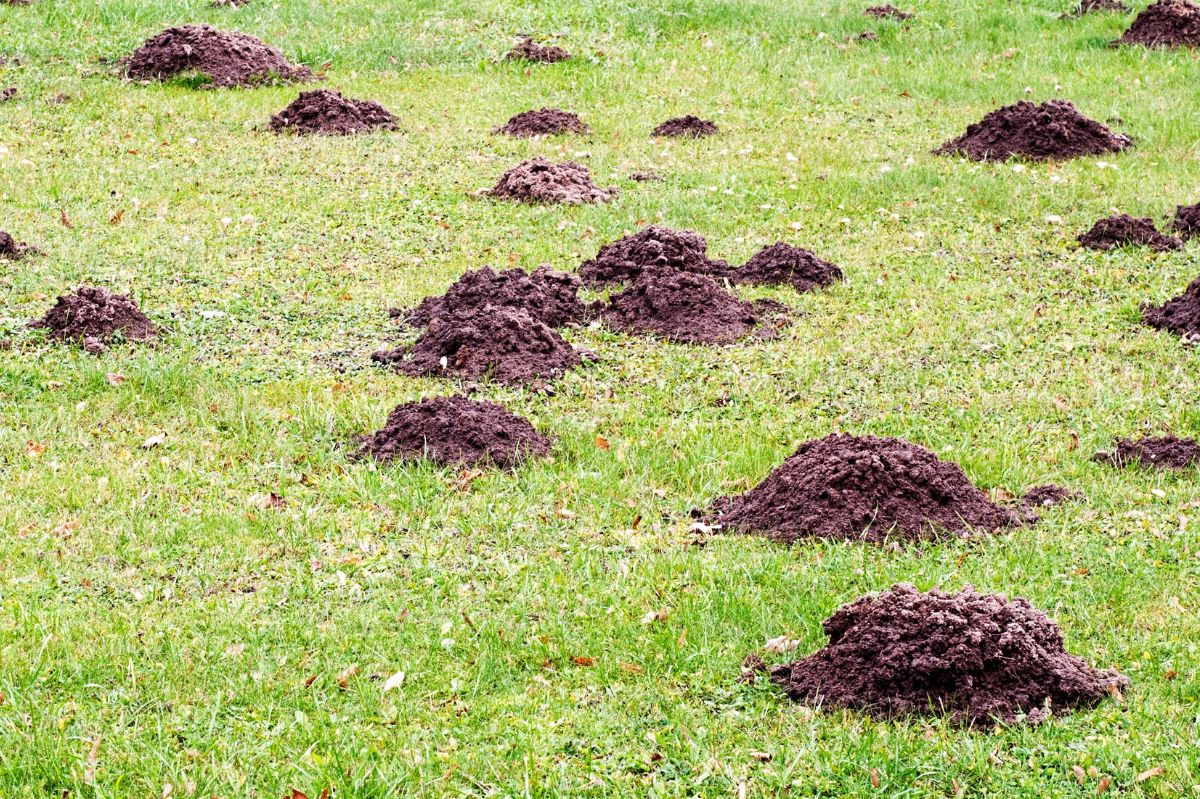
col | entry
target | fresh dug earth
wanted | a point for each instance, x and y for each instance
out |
(1187, 220)
(544, 122)
(1167, 23)
(529, 50)
(1054, 130)
(1158, 452)
(1179, 314)
(686, 126)
(1048, 496)
(1096, 7)
(548, 296)
(13, 250)
(538, 180)
(887, 12)
(623, 260)
(1123, 230)
(93, 317)
(505, 344)
(862, 488)
(782, 264)
(456, 430)
(326, 112)
(226, 58)
(976, 658)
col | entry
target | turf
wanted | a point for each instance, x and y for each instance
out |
(168, 628)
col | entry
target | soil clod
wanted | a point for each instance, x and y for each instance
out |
(544, 122)
(13, 250)
(782, 264)
(887, 12)
(1166, 23)
(1156, 452)
(327, 112)
(8, 93)
(686, 126)
(548, 296)
(529, 50)
(223, 58)
(1179, 315)
(623, 260)
(1047, 496)
(645, 177)
(94, 317)
(1187, 220)
(538, 180)
(1096, 7)
(1123, 230)
(1054, 130)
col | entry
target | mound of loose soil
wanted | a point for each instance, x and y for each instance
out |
(1095, 7)
(548, 296)
(782, 264)
(1179, 314)
(93, 317)
(887, 12)
(538, 180)
(327, 112)
(226, 58)
(973, 657)
(456, 430)
(529, 50)
(1158, 452)
(623, 260)
(1167, 23)
(1054, 130)
(687, 126)
(1047, 496)
(13, 250)
(508, 345)
(1124, 230)
(1187, 220)
(862, 488)
(545, 122)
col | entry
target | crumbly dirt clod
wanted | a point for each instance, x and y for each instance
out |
(645, 177)
(1054, 130)
(327, 112)
(1096, 7)
(539, 180)
(224, 58)
(1156, 452)
(550, 297)
(543, 122)
(456, 430)
(1167, 23)
(7, 93)
(13, 250)
(1123, 230)
(887, 12)
(975, 658)
(1187, 220)
(93, 317)
(686, 126)
(782, 264)
(529, 50)
(621, 261)
(862, 488)
(1179, 315)
(1047, 496)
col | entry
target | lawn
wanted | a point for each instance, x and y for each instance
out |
(168, 630)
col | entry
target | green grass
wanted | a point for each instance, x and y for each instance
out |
(150, 603)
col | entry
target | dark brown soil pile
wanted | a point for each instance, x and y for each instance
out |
(1048, 496)
(1054, 130)
(529, 50)
(887, 12)
(224, 58)
(538, 180)
(7, 94)
(456, 430)
(505, 344)
(862, 488)
(1187, 220)
(1179, 314)
(1095, 7)
(782, 264)
(1167, 23)
(544, 122)
(548, 296)
(13, 250)
(93, 317)
(623, 260)
(686, 126)
(973, 657)
(326, 112)
(1123, 230)
(1157, 452)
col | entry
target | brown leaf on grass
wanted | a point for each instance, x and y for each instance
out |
(584, 661)
(310, 680)
(34, 449)
(1080, 774)
(66, 220)
(653, 616)
(115, 378)
(632, 668)
(347, 674)
(761, 757)
(602, 442)
(117, 217)
(874, 778)
(1103, 785)
(1150, 773)
(296, 794)
(89, 773)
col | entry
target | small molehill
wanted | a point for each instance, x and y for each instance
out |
(887, 12)
(781, 264)
(544, 122)
(94, 317)
(1187, 220)
(13, 250)
(623, 260)
(456, 430)
(327, 112)
(548, 296)
(1179, 315)
(975, 658)
(505, 344)
(538, 180)
(1096, 7)
(529, 50)
(686, 126)
(1054, 130)
(1123, 230)
(1167, 23)
(1155, 452)
(223, 58)
(862, 488)
(1048, 496)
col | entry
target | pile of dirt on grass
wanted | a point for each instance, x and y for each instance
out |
(326, 112)
(544, 122)
(1179, 315)
(13, 250)
(1158, 452)
(1123, 230)
(781, 264)
(1054, 130)
(686, 126)
(1095, 7)
(93, 317)
(548, 296)
(1187, 220)
(1047, 496)
(623, 260)
(887, 12)
(225, 58)
(529, 50)
(538, 180)
(862, 488)
(1167, 23)
(976, 658)
(456, 430)
(505, 344)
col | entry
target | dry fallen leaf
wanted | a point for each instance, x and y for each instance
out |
(34, 449)
(781, 644)
(234, 650)
(1150, 773)
(583, 661)
(602, 442)
(154, 441)
(1080, 774)
(653, 616)
(632, 668)
(874, 778)
(393, 682)
(1102, 786)
(347, 674)
(115, 378)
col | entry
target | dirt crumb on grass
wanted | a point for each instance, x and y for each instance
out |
(1167, 23)
(782, 264)
(887, 12)
(327, 112)
(94, 317)
(224, 58)
(229, 3)
(1123, 230)
(862, 488)
(1046, 496)
(1187, 221)
(456, 430)
(621, 261)
(1054, 130)
(7, 93)
(13, 250)
(543, 122)
(550, 297)
(1156, 452)
(539, 180)
(686, 126)
(1096, 7)
(529, 50)
(645, 177)
(975, 658)
(1179, 315)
